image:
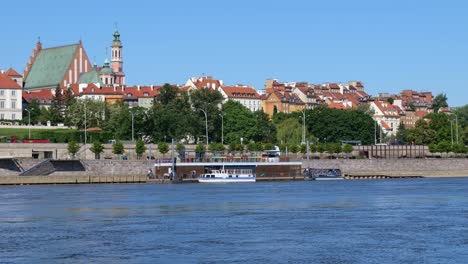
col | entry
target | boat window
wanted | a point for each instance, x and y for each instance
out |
(230, 176)
(212, 176)
(237, 176)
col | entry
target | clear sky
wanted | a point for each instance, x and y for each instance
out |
(389, 45)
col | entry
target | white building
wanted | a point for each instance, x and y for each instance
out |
(387, 116)
(10, 98)
(245, 95)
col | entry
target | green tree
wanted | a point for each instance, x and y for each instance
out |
(167, 94)
(118, 148)
(200, 148)
(439, 101)
(173, 120)
(140, 148)
(251, 146)
(268, 146)
(216, 147)
(294, 148)
(390, 100)
(35, 112)
(163, 148)
(73, 148)
(258, 146)
(57, 107)
(97, 148)
(289, 131)
(333, 125)
(347, 148)
(208, 100)
(402, 134)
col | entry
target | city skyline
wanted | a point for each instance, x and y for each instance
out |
(388, 46)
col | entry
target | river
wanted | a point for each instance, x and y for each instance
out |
(376, 221)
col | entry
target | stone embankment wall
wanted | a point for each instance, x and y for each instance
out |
(396, 167)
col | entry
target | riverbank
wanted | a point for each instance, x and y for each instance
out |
(115, 171)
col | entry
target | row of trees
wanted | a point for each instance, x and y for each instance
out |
(176, 115)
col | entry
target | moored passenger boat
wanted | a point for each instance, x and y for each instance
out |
(322, 174)
(228, 176)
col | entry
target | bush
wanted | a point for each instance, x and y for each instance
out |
(258, 146)
(236, 147)
(268, 146)
(163, 147)
(251, 146)
(73, 148)
(118, 148)
(216, 147)
(313, 148)
(294, 148)
(459, 148)
(140, 148)
(97, 148)
(303, 148)
(200, 148)
(348, 148)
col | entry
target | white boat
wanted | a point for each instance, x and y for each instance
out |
(228, 176)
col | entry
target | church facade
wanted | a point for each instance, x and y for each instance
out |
(70, 65)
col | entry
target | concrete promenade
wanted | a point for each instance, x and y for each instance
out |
(116, 171)
(395, 167)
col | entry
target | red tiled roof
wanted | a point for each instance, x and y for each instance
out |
(240, 92)
(333, 86)
(339, 106)
(75, 89)
(207, 82)
(387, 109)
(109, 90)
(7, 83)
(144, 91)
(421, 114)
(42, 96)
(385, 125)
(12, 73)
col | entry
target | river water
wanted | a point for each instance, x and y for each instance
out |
(379, 221)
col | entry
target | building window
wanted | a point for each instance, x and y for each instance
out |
(13, 116)
(13, 92)
(13, 104)
(2, 116)
(2, 92)
(2, 104)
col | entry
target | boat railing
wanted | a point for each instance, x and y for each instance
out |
(234, 159)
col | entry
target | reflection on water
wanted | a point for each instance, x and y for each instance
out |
(396, 221)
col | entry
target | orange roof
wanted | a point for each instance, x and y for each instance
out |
(388, 109)
(42, 96)
(385, 125)
(12, 73)
(339, 106)
(240, 92)
(207, 82)
(143, 91)
(109, 90)
(421, 114)
(7, 83)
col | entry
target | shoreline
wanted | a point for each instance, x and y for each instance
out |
(67, 180)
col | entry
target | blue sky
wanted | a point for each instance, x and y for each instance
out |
(389, 45)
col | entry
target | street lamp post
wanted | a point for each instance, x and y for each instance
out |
(206, 125)
(133, 117)
(303, 127)
(456, 127)
(451, 131)
(29, 122)
(222, 127)
(85, 128)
